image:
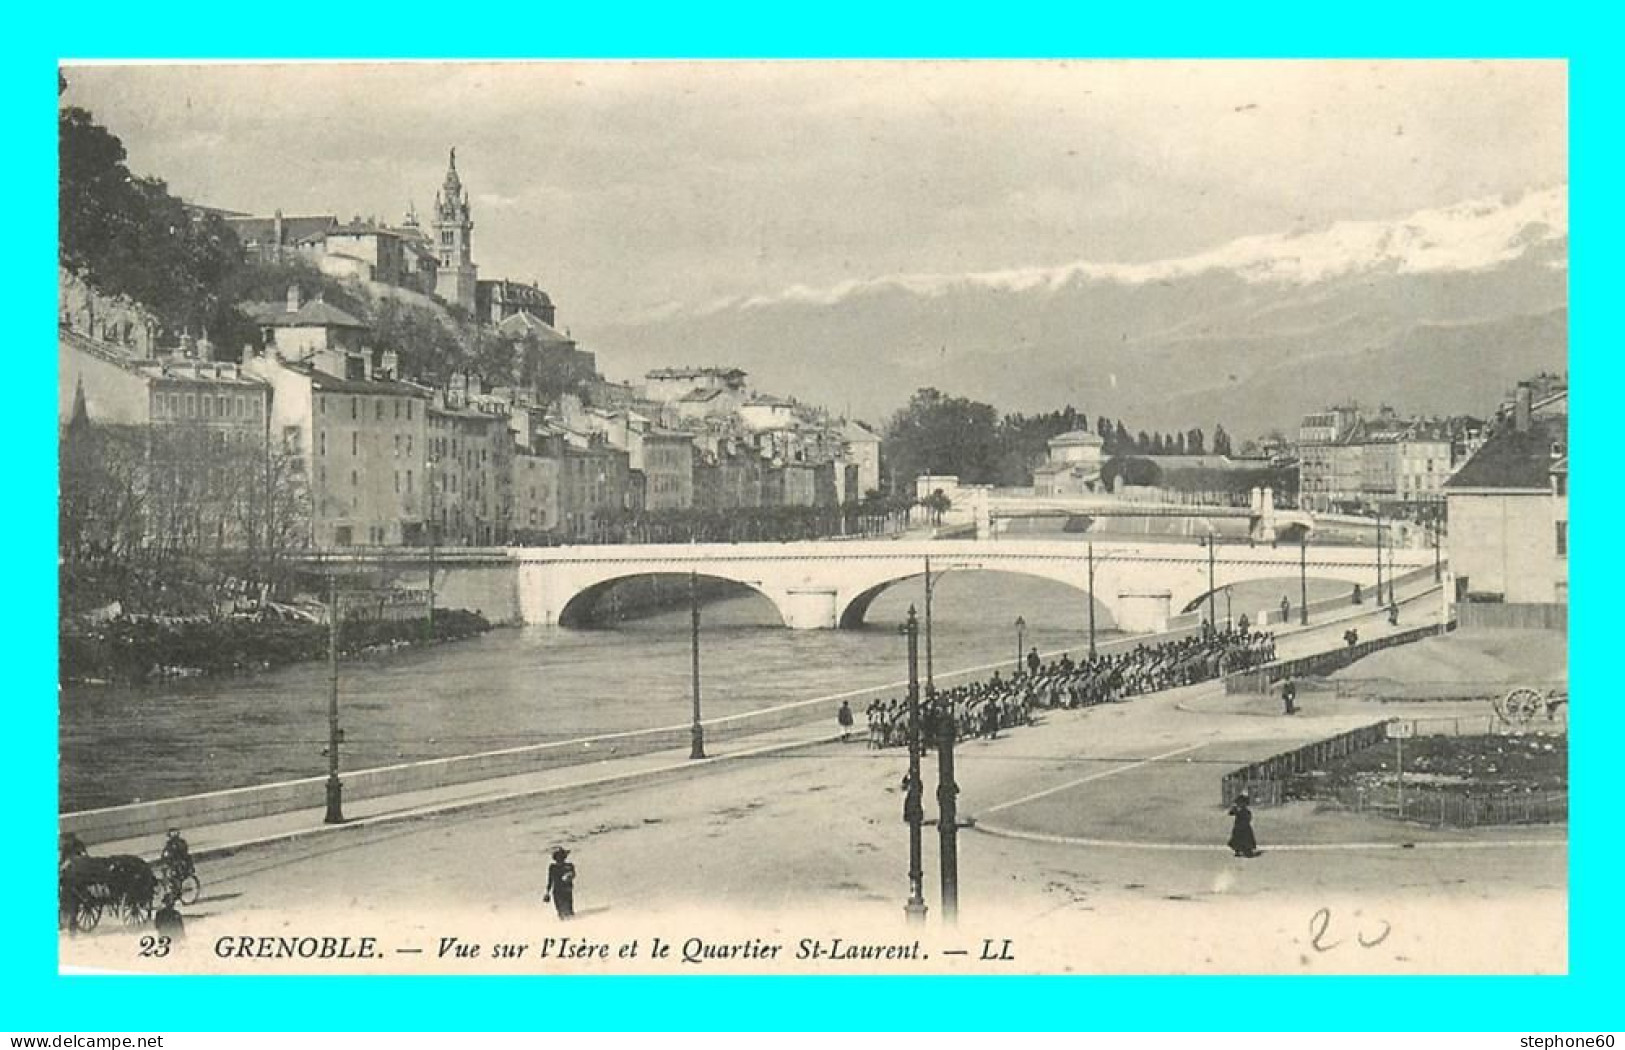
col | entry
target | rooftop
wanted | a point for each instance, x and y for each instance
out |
(1076, 437)
(1517, 459)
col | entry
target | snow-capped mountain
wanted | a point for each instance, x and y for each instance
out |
(1437, 311)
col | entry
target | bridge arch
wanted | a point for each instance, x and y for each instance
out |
(854, 607)
(578, 610)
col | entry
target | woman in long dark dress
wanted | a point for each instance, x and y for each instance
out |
(1241, 832)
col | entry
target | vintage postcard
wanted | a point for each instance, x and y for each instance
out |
(818, 517)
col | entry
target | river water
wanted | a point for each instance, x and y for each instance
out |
(516, 686)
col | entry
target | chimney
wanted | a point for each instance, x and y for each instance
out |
(293, 298)
(1521, 409)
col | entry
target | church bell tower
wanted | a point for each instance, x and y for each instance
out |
(458, 277)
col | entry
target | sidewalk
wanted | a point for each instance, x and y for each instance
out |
(225, 838)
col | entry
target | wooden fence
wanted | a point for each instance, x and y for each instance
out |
(1513, 616)
(1264, 782)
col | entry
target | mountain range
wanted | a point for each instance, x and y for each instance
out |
(1437, 312)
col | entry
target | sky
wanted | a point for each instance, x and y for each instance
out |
(631, 190)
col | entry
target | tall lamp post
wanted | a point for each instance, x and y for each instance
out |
(696, 730)
(931, 586)
(1091, 550)
(1379, 554)
(1021, 630)
(1229, 621)
(434, 529)
(913, 807)
(1303, 578)
(948, 820)
(1212, 610)
(335, 787)
(1438, 573)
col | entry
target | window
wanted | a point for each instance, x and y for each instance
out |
(242, 409)
(397, 482)
(397, 409)
(397, 446)
(379, 405)
(352, 479)
(220, 407)
(208, 405)
(409, 443)
(321, 406)
(290, 438)
(355, 443)
(355, 408)
(1562, 539)
(321, 443)
(409, 410)
(408, 482)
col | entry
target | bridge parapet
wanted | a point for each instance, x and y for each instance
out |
(824, 584)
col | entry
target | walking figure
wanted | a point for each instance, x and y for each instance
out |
(1242, 842)
(844, 717)
(1393, 614)
(561, 884)
(1289, 693)
(1286, 609)
(1033, 662)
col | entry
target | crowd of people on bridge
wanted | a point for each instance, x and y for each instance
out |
(986, 707)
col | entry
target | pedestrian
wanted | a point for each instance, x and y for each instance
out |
(844, 717)
(167, 921)
(561, 884)
(1242, 842)
(1243, 624)
(1393, 613)
(1033, 662)
(1289, 694)
(1286, 609)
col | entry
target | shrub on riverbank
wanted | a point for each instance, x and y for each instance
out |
(142, 650)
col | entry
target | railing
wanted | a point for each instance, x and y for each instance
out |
(1320, 664)
(1448, 809)
(1264, 782)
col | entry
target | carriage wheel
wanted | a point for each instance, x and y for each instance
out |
(89, 914)
(1520, 705)
(190, 887)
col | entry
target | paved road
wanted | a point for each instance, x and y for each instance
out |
(809, 842)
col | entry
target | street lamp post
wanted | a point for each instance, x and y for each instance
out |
(335, 788)
(696, 730)
(1229, 621)
(1021, 630)
(1379, 554)
(433, 537)
(948, 819)
(1438, 574)
(930, 585)
(1091, 549)
(1303, 578)
(1212, 611)
(913, 808)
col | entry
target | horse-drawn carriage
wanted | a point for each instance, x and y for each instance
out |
(88, 888)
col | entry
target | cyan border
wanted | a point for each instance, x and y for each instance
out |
(38, 36)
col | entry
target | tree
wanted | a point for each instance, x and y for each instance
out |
(1194, 441)
(1221, 441)
(938, 434)
(129, 236)
(1132, 469)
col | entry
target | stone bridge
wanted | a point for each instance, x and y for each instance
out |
(831, 583)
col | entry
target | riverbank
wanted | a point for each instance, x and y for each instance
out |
(133, 652)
